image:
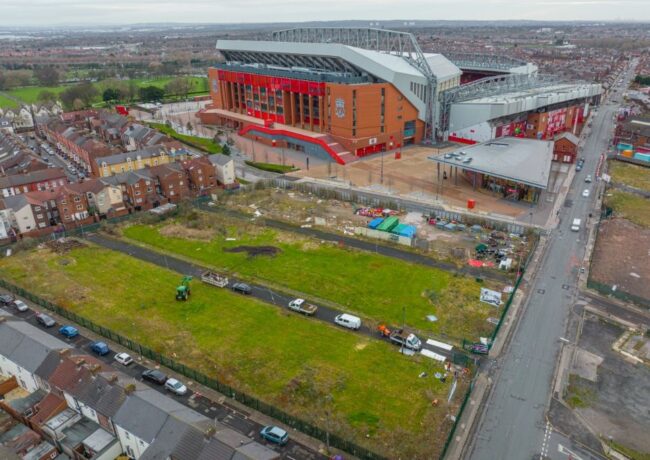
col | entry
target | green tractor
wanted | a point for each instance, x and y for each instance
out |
(183, 291)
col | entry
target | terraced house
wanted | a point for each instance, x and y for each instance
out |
(136, 160)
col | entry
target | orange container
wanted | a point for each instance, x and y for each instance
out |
(628, 153)
(398, 155)
(471, 204)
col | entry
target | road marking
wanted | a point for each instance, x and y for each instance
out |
(563, 450)
(545, 441)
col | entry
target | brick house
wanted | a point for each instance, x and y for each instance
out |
(43, 179)
(201, 175)
(105, 199)
(565, 148)
(139, 189)
(172, 182)
(73, 206)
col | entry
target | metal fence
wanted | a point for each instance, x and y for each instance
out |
(249, 401)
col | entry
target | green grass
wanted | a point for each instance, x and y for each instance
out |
(577, 395)
(272, 167)
(7, 103)
(282, 358)
(630, 206)
(628, 451)
(207, 145)
(29, 94)
(371, 285)
(629, 174)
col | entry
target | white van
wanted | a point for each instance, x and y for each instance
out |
(575, 226)
(349, 321)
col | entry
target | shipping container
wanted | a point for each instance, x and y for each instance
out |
(388, 224)
(374, 223)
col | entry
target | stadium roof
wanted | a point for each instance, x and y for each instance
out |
(527, 161)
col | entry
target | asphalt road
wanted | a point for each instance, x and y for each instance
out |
(220, 411)
(324, 313)
(513, 423)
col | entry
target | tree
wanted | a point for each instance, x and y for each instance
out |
(79, 96)
(46, 96)
(180, 86)
(111, 94)
(47, 76)
(189, 127)
(225, 149)
(151, 93)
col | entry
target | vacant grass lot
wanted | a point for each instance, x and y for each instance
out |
(282, 358)
(630, 206)
(6, 103)
(29, 94)
(201, 143)
(374, 286)
(629, 174)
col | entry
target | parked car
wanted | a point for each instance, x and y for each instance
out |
(6, 299)
(480, 349)
(175, 387)
(275, 434)
(100, 348)
(45, 320)
(154, 376)
(585, 192)
(588, 178)
(123, 358)
(68, 331)
(349, 321)
(242, 288)
(20, 305)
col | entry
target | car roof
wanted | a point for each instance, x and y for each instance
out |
(349, 317)
(173, 381)
(276, 430)
(123, 355)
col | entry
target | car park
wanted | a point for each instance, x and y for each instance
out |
(20, 305)
(123, 358)
(100, 348)
(68, 331)
(242, 288)
(45, 320)
(585, 193)
(175, 387)
(154, 376)
(275, 435)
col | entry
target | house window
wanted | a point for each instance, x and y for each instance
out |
(180, 183)
(37, 208)
(77, 199)
(149, 189)
(64, 202)
(79, 207)
(137, 192)
(171, 193)
(39, 216)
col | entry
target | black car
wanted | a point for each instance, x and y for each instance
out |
(45, 320)
(154, 376)
(242, 288)
(6, 299)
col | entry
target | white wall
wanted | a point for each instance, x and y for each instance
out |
(226, 174)
(25, 219)
(128, 441)
(480, 132)
(24, 378)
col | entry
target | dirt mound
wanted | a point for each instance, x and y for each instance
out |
(180, 231)
(253, 251)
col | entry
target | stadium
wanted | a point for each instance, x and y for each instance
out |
(342, 93)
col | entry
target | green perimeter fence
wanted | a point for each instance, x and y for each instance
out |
(249, 401)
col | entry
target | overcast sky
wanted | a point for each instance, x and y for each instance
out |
(56, 12)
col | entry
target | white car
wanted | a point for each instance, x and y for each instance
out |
(123, 358)
(20, 305)
(588, 178)
(175, 387)
(585, 193)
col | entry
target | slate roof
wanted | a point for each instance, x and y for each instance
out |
(26, 345)
(219, 159)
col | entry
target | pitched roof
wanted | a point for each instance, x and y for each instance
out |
(140, 418)
(32, 177)
(26, 345)
(569, 137)
(168, 438)
(219, 159)
(49, 406)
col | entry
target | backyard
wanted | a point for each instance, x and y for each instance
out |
(376, 287)
(284, 359)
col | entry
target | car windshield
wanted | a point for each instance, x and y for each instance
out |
(176, 384)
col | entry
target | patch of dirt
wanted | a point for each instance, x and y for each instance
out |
(254, 251)
(622, 257)
(64, 245)
(180, 231)
(360, 346)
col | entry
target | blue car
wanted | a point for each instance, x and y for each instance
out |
(68, 331)
(100, 348)
(275, 435)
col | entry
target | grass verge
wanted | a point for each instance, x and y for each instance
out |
(284, 359)
(371, 285)
(272, 167)
(207, 145)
